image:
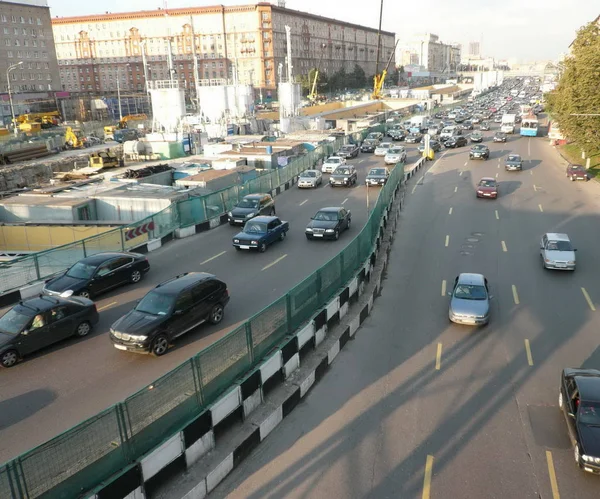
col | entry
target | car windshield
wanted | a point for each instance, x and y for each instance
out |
(559, 246)
(341, 171)
(514, 158)
(255, 228)
(500, 134)
(589, 413)
(347, 148)
(309, 174)
(332, 160)
(487, 183)
(372, 136)
(155, 303)
(81, 271)
(377, 171)
(248, 203)
(326, 216)
(13, 321)
(470, 292)
(385, 145)
(395, 151)
(577, 168)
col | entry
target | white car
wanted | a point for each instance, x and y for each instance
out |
(557, 252)
(332, 163)
(310, 179)
(383, 148)
(396, 154)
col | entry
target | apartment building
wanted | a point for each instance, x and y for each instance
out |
(430, 53)
(244, 43)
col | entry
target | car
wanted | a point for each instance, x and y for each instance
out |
(369, 145)
(455, 141)
(484, 126)
(170, 310)
(479, 151)
(259, 233)
(377, 136)
(470, 300)
(329, 223)
(577, 172)
(98, 273)
(382, 149)
(434, 130)
(41, 321)
(310, 179)
(487, 188)
(435, 146)
(331, 163)
(377, 176)
(395, 154)
(460, 118)
(348, 151)
(500, 137)
(513, 162)
(498, 119)
(557, 252)
(579, 401)
(476, 119)
(344, 176)
(468, 125)
(413, 138)
(476, 137)
(397, 135)
(250, 206)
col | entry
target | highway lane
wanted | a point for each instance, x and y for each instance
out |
(59, 387)
(419, 407)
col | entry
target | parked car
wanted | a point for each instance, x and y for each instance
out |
(251, 206)
(557, 252)
(344, 176)
(259, 233)
(579, 401)
(329, 223)
(382, 149)
(476, 137)
(377, 176)
(500, 137)
(348, 151)
(479, 151)
(395, 154)
(170, 310)
(470, 300)
(98, 273)
(413, 138)
(41, 321)
(331, 163)
(455, 141)
(513, 162)
(577, 172)
(435, 146)
(310, 179)
(487, 188)
(369, 145)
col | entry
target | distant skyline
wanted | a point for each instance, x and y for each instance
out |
(508, 29)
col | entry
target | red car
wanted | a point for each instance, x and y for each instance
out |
(577, 172)
(487, 188)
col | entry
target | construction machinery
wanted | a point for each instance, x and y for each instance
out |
(45, 120)
(74, 139)
(105, 159)
(130, 120)
(109, 132)
(379, 78)
(312, 96)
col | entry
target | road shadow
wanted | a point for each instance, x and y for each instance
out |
(16, 409)
(531, 164)
(507, 187)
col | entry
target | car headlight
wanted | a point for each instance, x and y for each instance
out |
(591, 459)
(249, 215)
(253, 242)
(329, 230)
(230, 214)
(236, 240)
(140, 337)
(571, 262)
(308, 229)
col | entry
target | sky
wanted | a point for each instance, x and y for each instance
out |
(528, 30)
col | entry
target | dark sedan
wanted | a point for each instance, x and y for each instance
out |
(328, 223)
(413, 138)
(476, 137)
(479, 151)
(455, 141)
(99, 273)
(369, 145)
(484, 126)
(500, 137)
(579, 401)
(435, 146)
(251, 206)
(377, 176)
(398, 135)
(348, 151)
(513, 162)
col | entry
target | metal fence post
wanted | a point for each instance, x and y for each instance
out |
(37, 266)
(195, 361)
(84, 249)
(319, 290)
(288, 309)
(122, 239)
(249, 341)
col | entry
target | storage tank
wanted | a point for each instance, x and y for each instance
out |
(289, 99)
(213, 101)
(168, 104)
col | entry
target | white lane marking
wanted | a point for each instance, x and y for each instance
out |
(504, 248)
(540, 207)
(466, 163)
(450, 211)
(534, 188)
(303, 202)
(414, 189)
(529, 148)
(444, 287)
(497, 215)
(213, 257)
(498, 165)
(274, 263)
(460, 173)
(588, 299)
(530, 172)
(447, 240)
(344, 201)
(496, 175)
(455, 189)
(360, 161)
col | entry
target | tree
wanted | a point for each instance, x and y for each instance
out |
(306, 81)
(577, 91)
(358, 78)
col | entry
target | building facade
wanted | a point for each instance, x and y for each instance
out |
(474, 49)
(26, 37)
(245, 44)
(430, 53)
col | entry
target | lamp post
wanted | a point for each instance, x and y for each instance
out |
(119, 90)
(12, 109)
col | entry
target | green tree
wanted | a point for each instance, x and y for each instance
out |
(577, 91)
(358, 78)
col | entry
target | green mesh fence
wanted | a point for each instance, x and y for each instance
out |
(230, 197)
(56, 260)
(109, 241)
(191, 211)
(303, 300)
(165, 222)
(17, 273)
(331, 277)
(214, 205)
(269, 326)
(5, 483)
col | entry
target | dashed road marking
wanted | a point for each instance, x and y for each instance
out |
(540, 207)
(497, 175)
(515, 295)
(497, 216)
(427, 478)
(344, 201)
(444, 287)
(504, 247)
(414, 189)
(447, 240)
(274, 263)
(588, 299)
(450, 211)
(104, 307)
(303, 202)
(456, 189)
(552, 475)
(528, 351)
(213, 257)
(534, 187)
(438, 357)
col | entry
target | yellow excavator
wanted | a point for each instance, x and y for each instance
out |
(74, 138)
(312, 96)
(105, 159)
(43, 120)
(379, 79)
(124, 123)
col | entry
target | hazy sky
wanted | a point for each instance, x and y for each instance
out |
(525, 29)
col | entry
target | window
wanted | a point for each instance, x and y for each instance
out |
(6, 31)
(9, 54)
(7, 42)
(58, 314)
(184, 301)
(39, 21)
(22, 20)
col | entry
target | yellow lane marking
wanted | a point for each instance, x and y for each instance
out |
(344, 201)
(552, 473)
(515, 294)
(450, 211)
(528, 350)
(414, 189)
(534, 188)
(427, 478)
(274, 263)
(455, 189)
(447, 241)
(104, 307)
(497, 216)
(438, 357)
(213, 257)
(303, 202)
(588, 299)
(444, 287)
(504, 247)
(540, 207)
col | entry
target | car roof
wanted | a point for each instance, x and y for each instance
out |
(332, 208)
(42, 303)
(488, 178)
(311, 170)
(334, 158)
(589, 387)
(263, 219)
(100, 258)
(256, 196)
(514, 155)
(575, 166)
(470, 278)
(556, 236)
(183, 281)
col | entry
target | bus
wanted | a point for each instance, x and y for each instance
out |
(529, 126)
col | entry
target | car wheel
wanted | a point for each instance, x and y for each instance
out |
(282, 236)
(560, 399)
(262, 248)
(136, 276)
(337, 234)
(216, 314)
(83, 329)
(160, 345)
(84, 293)
(9, 358)
(348, 225)
(572, 179)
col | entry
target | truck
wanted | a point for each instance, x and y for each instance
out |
(260, 232)
(508, 123)
(418, 124)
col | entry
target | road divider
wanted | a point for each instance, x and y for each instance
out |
(427, 478)
(515, 295)
(552, 475)
(588, 299)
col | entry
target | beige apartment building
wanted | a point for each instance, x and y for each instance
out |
(245, 43)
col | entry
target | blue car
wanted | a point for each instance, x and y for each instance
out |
(259, 233)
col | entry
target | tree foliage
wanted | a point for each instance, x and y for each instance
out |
(338, 81)
(578, 92)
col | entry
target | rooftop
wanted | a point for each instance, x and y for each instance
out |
(35, 200)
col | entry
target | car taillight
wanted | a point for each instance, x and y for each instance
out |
(226, 292)
(95, 308)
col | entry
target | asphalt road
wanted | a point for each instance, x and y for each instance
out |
(417, 407)
(63, 385)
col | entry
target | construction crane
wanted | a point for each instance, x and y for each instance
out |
(312, 96)
(379, 79)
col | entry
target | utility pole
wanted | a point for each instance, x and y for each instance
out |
(195, 65)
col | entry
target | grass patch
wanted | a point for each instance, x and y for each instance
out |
(572, 153)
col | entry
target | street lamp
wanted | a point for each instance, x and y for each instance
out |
(119, 90)
(12, 109)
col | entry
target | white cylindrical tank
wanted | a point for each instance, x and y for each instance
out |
(134, 148)
(213, 101)
(289, 99)
(168, 107)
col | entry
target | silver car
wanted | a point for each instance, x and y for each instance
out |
(331, 163)
(310, 179)
(383, 148)
(557, 252)
(396, 154)
(470, 302)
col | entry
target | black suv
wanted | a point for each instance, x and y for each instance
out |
(171, 309)
(39, 322)
(344, 175)
(250, 206)
(98, 273)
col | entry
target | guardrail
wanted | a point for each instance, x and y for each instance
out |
(79, 459)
